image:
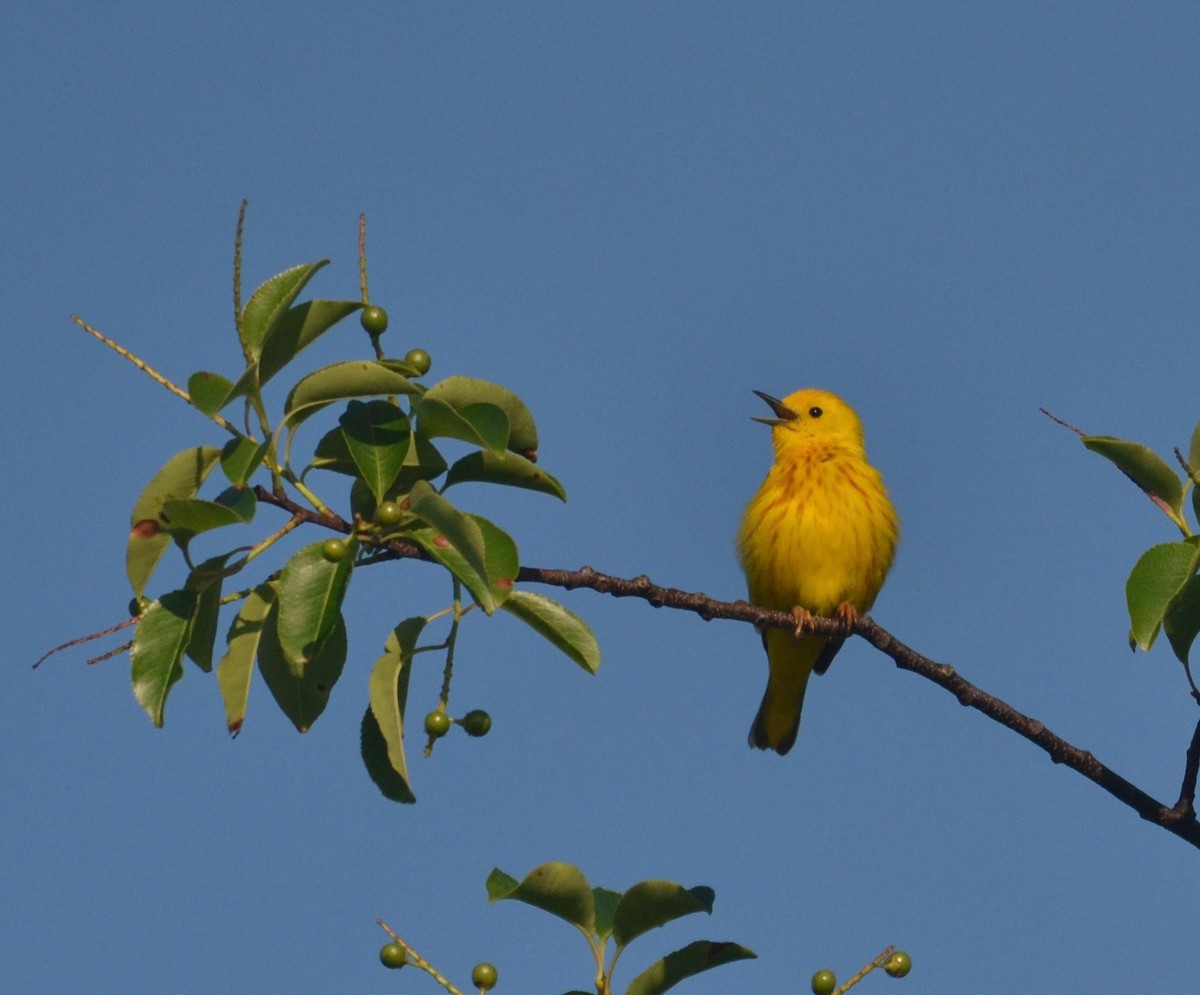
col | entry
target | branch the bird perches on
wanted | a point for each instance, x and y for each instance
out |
(1178, 819)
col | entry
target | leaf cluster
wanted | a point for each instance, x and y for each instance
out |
(289, 625)
(600, 915)
(1163, 590)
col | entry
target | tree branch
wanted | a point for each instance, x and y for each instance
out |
(1179, 819)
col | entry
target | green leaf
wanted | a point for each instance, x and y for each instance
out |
(650, 904)
(377, 436)
(1156, 578)
(557, 888)
(1144, 467)
(501, 556)
(188, 517)
(423, 462)
(296, 329)
(302, 697)
(269, 303)
(374, 750)
(686, 962)
(310, 595)
(505, 468)
(247, 384)
(206, 581)
(1181, 622)
(562, 627)
(240, 457)
(204, 627)
(180, 477)
(461, 392)
(456, 541)
(161, 636)
(236, 668)
(500, 885)
(209, 391)
(333, 454)
(438, 546)
(481, 424)
(605, 902)
(341, 382)
(384, 721)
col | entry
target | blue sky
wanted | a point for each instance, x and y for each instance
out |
(632, 215)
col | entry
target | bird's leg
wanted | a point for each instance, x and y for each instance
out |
(804, 621)
(847, 614)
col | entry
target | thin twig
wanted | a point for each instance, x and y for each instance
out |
(86, 639)
(237, 277)
(418, 960)
(362, 258)
(866, 969)
(1064, 424)
(115, 651)
(1187, 467)
(149, 370)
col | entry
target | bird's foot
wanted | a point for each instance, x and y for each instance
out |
(847, 615)
(804, 621)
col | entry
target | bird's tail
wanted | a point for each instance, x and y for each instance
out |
(791, 662)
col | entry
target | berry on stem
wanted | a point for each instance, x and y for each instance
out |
(334, 550)
(374, 320)
(437, 723)
(823, 983)
(392, 955)
(476, 722)
(484, 976)
(388, 513)
(419, 360)
(898, 965)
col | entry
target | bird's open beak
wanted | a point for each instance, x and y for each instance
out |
(783, 414)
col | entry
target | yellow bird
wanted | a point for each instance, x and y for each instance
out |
(817, 539)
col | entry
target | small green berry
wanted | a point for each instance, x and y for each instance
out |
(437, 723)
(388, 513)
(823, 983)
(484, 976)
(898, 965)
(476, 722)
(374, 320)
(419, 360)
(392, 955)
(334, 550)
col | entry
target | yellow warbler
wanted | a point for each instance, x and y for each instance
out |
(817, 539)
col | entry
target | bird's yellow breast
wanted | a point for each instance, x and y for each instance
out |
(819, 532)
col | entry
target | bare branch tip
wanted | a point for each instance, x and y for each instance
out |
(1064, 424)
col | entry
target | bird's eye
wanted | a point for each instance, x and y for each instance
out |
(815, 412)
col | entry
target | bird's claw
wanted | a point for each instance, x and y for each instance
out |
(804, 622)
(847, 615)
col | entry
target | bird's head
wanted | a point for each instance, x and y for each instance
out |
(813, 417)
